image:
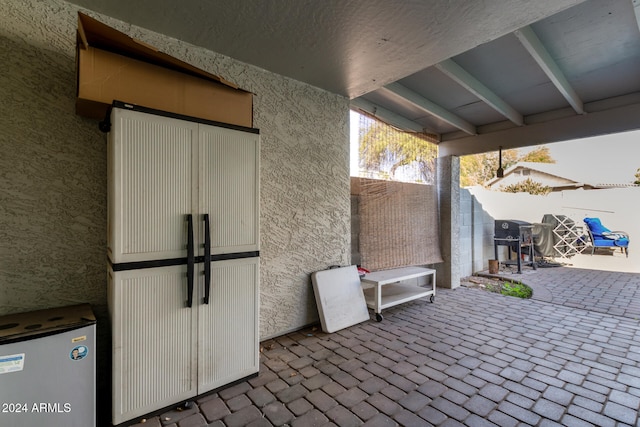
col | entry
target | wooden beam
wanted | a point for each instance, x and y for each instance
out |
(596, 123)
(386, 116)
(430, 107)
(466, 80)
(539, 52)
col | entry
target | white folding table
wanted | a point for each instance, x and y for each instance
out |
(384, 289)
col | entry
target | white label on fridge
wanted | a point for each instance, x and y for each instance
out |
(11, 363)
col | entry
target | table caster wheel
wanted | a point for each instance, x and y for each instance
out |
(379, 317)
(432, 298)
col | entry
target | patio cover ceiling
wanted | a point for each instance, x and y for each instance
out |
(475, 74)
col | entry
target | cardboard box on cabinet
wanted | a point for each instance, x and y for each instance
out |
(113, 66)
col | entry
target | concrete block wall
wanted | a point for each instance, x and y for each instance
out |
(616, 207)
(466, 233)
(476, 235)
(449, 272)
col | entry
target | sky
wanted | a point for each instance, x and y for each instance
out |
(610, 159)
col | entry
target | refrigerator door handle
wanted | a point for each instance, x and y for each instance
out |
(207, 259)
(190, 260)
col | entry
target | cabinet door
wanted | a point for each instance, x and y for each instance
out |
(154, 340)
(229, 191)
(228, 347)
(150, 186)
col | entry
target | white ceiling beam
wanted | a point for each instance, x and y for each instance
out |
(386, 116)
(538, 51)
(466, 80)
(575, 126)
(636, 9)
(430, 107)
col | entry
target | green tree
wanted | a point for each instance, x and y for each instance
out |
(527, 186)
(637, 181)
(385, 150)
(477, 169)
(538, 155)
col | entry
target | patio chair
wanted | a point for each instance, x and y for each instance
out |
(602, 237)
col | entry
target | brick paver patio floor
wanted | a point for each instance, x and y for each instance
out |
(472, 358)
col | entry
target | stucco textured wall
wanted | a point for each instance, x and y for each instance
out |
(52, 169)
(53, 173)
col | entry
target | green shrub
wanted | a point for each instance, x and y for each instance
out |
(527, 186)
(519, 290)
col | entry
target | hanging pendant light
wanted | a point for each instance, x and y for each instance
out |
(500, 171)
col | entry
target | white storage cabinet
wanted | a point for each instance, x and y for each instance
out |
(183, 248)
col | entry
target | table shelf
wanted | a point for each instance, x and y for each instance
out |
(384, 289)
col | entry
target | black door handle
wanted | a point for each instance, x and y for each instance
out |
(190, 260)
(207, 259)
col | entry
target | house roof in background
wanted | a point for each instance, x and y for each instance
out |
(573, 178)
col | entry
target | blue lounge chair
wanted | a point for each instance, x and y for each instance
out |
(602, 237)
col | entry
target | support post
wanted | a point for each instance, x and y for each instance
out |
(448, 170)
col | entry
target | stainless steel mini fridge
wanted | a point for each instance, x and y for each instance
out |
(47, 368)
